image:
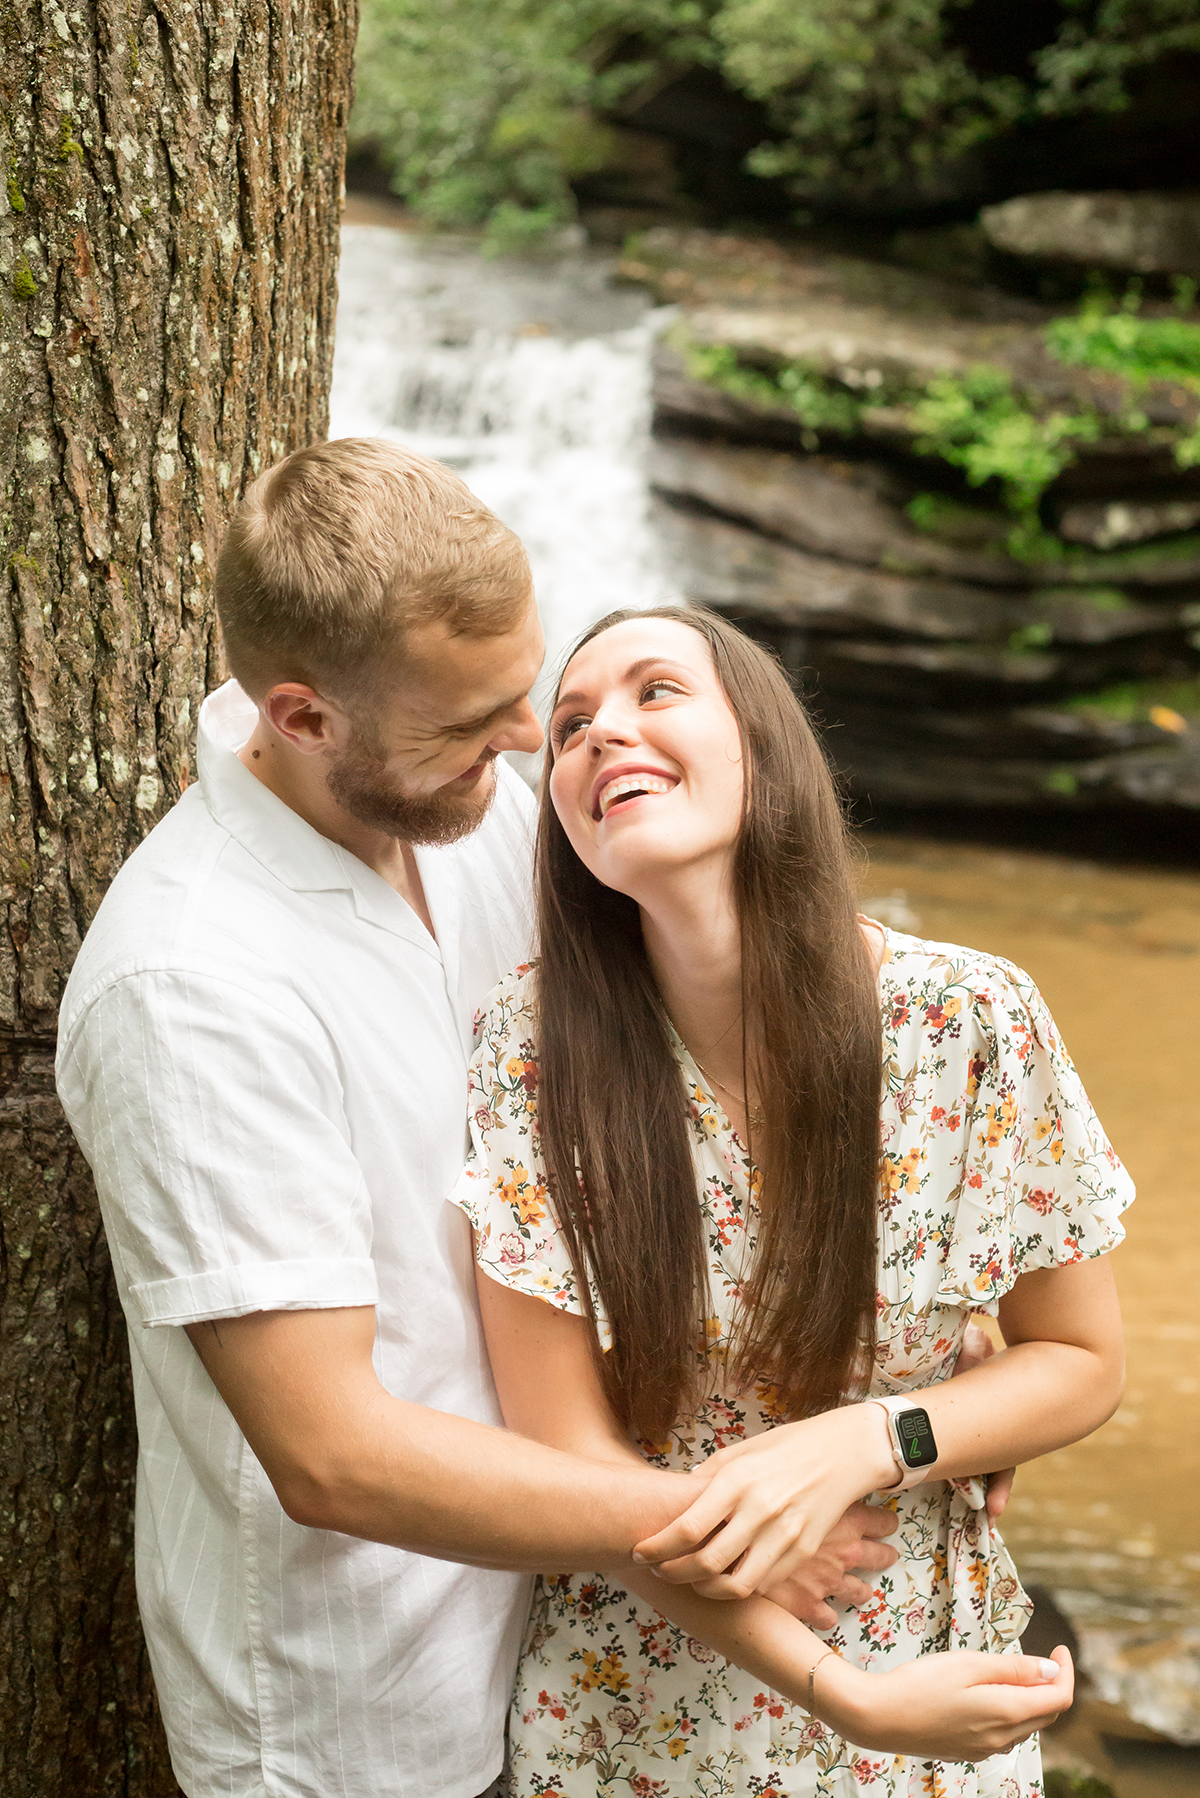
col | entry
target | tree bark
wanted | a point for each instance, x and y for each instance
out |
(169, 207)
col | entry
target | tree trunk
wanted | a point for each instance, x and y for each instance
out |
(168, 254)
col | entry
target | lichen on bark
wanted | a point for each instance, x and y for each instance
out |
(168, 252)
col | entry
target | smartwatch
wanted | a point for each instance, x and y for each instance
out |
(913, 1447)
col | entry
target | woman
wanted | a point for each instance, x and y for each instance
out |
(768, 1253)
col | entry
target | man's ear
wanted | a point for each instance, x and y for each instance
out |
(307, 721)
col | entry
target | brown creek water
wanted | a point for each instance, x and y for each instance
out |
(1110, 1526)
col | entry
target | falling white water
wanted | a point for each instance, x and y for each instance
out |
(533, 380)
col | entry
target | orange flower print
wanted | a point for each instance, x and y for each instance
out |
(901, 1175)
(938, 1016)
(608, 1688)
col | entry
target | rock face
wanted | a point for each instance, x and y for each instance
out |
(952, 660)
(1147, 233)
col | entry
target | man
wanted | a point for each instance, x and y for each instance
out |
(263, 1053)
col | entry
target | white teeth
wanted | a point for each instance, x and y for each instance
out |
(632, 783)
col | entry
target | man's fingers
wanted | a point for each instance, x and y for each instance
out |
(851, 1591)
(999, 1491)
(977, 1347)
(871, 1521)
(687, 1533)
(875, 1556)
(818, 1613)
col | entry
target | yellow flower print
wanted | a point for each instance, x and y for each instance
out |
(608, 1674)
(1001, 1120)
(1043, 1126)
(514, 1067)
(770, 1402)
(1056, 1149)
(676, 1748)
(664, 1723)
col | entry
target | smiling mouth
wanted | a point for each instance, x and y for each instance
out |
(627, 787)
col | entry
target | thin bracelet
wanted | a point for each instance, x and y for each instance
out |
(812, 1674)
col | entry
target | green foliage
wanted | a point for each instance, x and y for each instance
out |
(487, 110)
(1141, 349)
(869, 89)
(1103, 42)
(1135, 701)
(980, 423)
(969, 526)
(818, 403)
(977, 422)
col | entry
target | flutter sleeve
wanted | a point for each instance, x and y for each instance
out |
(1040, 1183)
(503, 1188)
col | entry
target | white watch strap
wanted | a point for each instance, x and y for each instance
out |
(909, 1476)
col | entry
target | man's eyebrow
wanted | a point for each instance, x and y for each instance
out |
(482, 718)
(631, 673)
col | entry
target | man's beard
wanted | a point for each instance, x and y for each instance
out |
(359, 782)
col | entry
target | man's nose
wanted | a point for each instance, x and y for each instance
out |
(523, 731)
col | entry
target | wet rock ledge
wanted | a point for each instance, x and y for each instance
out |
(1033, 638)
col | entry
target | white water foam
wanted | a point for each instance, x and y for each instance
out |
(532, 379)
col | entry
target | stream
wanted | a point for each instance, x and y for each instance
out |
(532, 379)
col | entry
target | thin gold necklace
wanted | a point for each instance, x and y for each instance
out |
(754, 1114)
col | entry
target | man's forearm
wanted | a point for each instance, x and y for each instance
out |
(461, 1491)
(344, 1454)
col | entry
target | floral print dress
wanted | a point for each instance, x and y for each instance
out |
(993, 1163)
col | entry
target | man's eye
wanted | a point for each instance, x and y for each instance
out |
(566, 729)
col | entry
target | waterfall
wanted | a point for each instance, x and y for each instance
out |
(532, 379)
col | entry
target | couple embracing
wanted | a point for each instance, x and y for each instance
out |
(684, 1338)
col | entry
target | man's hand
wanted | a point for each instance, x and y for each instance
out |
(826, 1578)
(978, 1347)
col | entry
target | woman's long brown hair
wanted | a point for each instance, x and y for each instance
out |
(612, 1108)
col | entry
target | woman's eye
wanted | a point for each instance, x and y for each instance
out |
(656, 688)
(566, 729)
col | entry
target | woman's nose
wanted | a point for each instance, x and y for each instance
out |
(611, 724)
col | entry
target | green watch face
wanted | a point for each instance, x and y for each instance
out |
(917, 1445)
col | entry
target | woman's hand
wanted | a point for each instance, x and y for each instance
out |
(771, 1501)
(948, 1707)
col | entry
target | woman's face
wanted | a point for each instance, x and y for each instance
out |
(647, 770)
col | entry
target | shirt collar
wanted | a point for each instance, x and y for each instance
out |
(265, 827)
(280, 840)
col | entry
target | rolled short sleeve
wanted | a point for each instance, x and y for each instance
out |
(503, 1188)
(1041, 1185)
(215, 1126)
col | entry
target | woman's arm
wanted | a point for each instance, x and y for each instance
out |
(954, 1707)
(1060, 1377)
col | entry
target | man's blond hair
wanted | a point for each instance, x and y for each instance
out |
(337, 550)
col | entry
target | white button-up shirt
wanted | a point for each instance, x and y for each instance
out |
(264, 1054)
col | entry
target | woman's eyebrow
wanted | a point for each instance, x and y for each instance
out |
(631, 673)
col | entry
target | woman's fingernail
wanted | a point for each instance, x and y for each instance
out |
(1050, 1669)
(639, 1559)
